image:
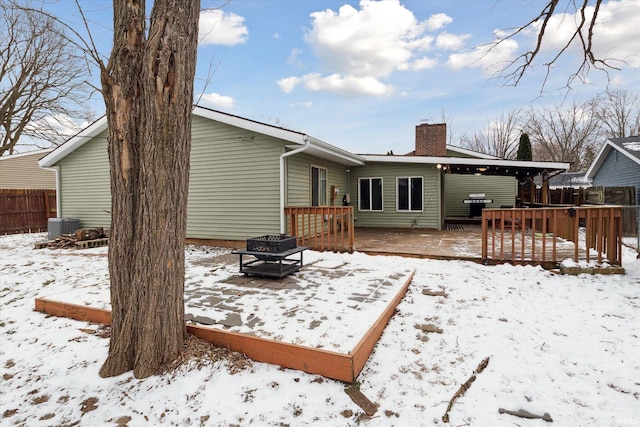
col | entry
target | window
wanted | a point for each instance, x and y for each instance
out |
(409, 194)
(318, 186)
(370, 194)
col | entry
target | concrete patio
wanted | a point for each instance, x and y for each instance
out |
(459, 242)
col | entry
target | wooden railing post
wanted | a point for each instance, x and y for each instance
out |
(603, 233)
(322, 227)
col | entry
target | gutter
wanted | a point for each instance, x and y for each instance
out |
(56, 169)
(283, 219)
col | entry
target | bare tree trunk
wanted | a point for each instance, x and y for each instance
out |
(148, 91)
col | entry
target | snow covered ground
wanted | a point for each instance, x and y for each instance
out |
(564, 345)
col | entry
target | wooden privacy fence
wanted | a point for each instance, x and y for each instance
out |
(597, 195)
(323, 228)
(553, 234)
(26, 211)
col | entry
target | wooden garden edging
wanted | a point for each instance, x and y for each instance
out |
(338, 366)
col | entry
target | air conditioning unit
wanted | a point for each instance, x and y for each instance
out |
(58, 226)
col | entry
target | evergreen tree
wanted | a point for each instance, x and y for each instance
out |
(524, 148)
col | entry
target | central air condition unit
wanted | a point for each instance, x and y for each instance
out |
(58, 226)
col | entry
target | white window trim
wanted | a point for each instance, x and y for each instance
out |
(369, 178)
(326, 200)
(409, 195)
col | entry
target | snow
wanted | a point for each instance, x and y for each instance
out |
(632, 146)
(565, 345)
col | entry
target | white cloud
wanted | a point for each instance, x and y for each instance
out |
(448, 41)
(616, 32)
(289, 83)
(367, 42)
(218, 27)
(490, 58)
(359, 47)
(338, 84)
(307, 104)
(293, 57)
(217, 101)
(347, 85)
(437, 21)
(424, 63)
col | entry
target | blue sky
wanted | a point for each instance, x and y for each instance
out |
(362, 74)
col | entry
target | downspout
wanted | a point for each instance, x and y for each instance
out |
(56, 169)
(283, 219)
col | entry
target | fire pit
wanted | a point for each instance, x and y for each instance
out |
(270, 256)
(271, 243)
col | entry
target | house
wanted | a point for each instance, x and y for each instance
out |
(21, 172)
(244, 173)
(617, 164)
(566, 180)
(447, 176)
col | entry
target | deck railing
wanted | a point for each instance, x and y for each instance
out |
(323, 228)
(552, 234)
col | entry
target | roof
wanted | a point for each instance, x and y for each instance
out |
(467, 152)
(461, 151)
(41, 153)
(567, 179)
(316, 147)
(464, 165)
(629, 146)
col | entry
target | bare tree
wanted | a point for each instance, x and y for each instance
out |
(148, 92)
(563, 135)
(586, 13)
(499, 138)
(618, 113)
(42, 81)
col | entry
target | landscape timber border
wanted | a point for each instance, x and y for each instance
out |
(334, 365)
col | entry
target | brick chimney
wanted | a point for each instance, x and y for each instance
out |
(431, 140)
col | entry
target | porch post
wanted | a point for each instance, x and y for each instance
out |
(545, 189)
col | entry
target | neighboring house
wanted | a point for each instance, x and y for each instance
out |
(617, 164)
(21, 171)
(566, 180)
(243, 174)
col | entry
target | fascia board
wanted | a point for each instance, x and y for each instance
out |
(74, 143)
(599, 159)
(353, 159)
(465, 161)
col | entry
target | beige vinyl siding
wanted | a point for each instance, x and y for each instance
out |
(299, 179)
(21, 171)
(501, 189)
(234, 182)
(85, 184)
(389, 216)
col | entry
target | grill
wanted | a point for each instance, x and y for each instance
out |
(476, 202)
